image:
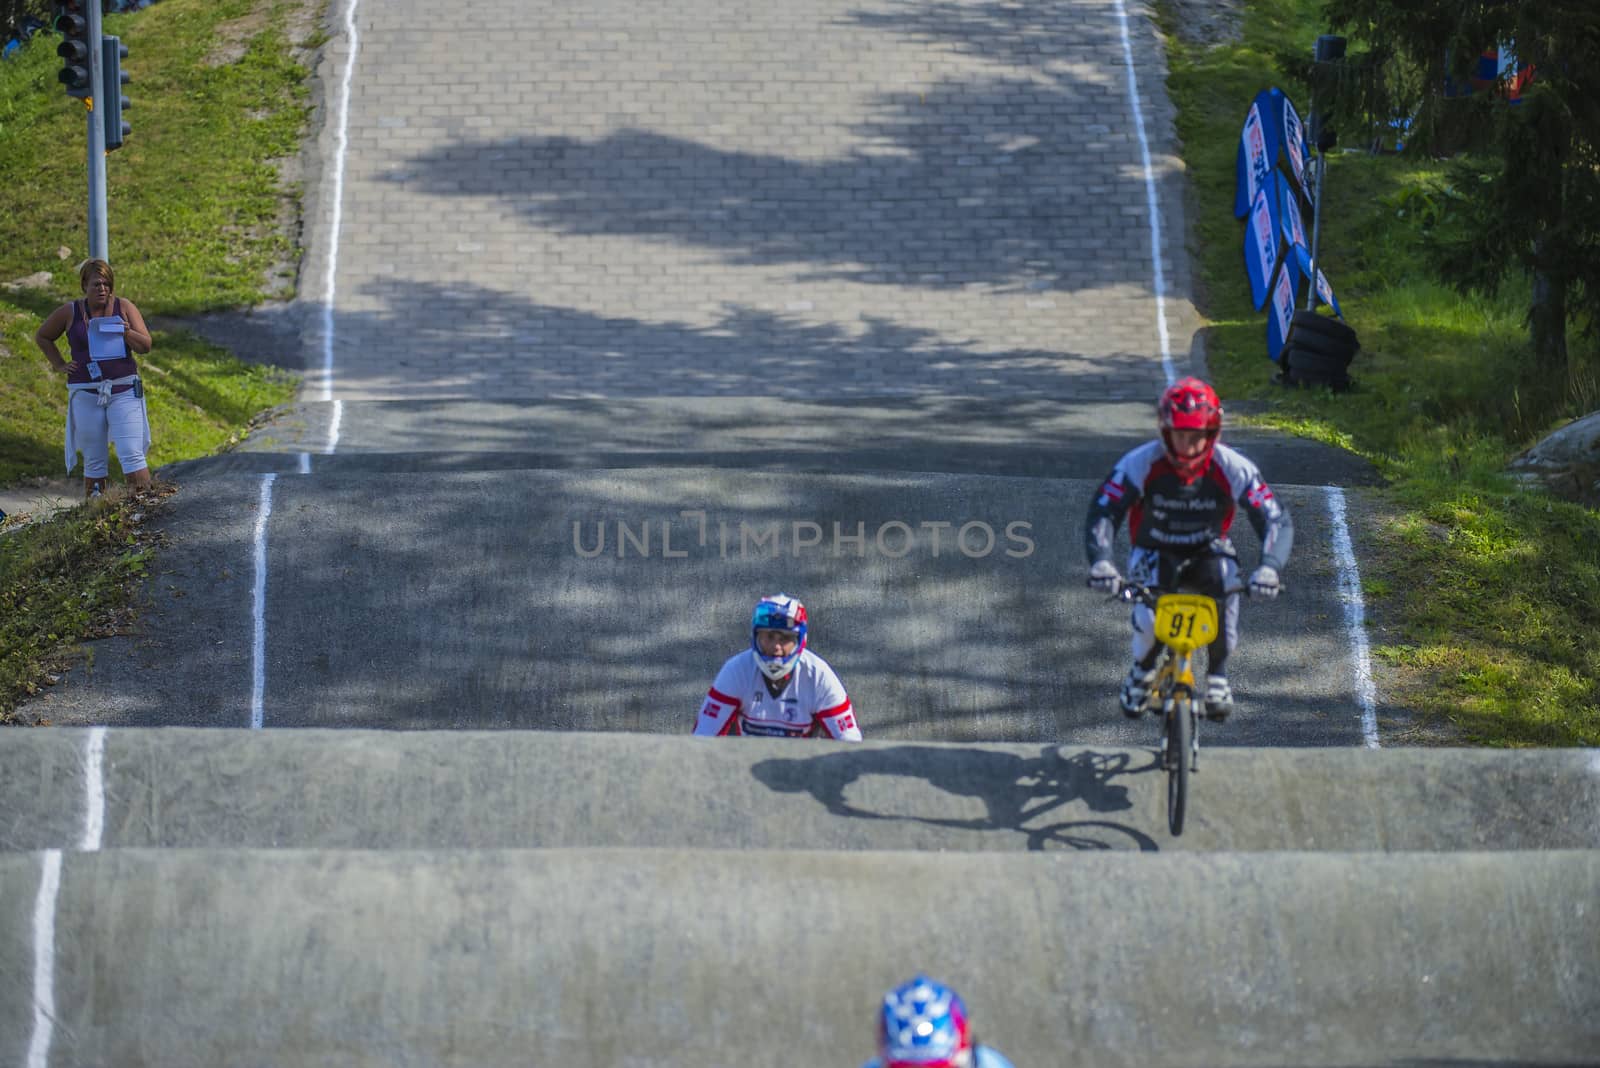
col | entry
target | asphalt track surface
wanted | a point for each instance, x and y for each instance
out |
(436, 790)
(460, 898)
(357, 897)
(394, 602)
(791, 267)
(652, 956)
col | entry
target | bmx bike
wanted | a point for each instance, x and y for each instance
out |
(1183, 623)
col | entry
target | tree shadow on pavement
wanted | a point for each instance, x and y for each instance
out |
(738, 351)
(971, 181)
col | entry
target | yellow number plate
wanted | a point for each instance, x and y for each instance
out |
(1186, 621)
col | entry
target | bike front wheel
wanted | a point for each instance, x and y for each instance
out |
(1180, 740)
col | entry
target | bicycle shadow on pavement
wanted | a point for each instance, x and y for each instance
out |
(1015, 791)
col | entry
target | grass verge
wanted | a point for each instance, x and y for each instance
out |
(1493, 589)
(73, 578)
(200, 219)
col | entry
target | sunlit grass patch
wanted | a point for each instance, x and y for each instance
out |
(195, 208)
(193, 196)
(1490, 698)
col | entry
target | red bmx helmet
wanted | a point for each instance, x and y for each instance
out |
(1190, 404)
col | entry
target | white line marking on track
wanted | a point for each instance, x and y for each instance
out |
(333, 427)
(1151, 203)
(1355, 613)
(94, 788)
(258, 607)
(333, 437)
(342, 144)
(44, 960)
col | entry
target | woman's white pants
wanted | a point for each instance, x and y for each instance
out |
(93, 429)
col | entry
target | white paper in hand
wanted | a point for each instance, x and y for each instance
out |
(105, 339)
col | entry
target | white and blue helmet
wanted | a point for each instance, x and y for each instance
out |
(923, 1024)
(778, 612)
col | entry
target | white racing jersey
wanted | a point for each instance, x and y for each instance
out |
(813, 703)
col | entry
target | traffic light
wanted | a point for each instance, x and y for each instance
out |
(112, 102)
(72, 23)
(1328, 49)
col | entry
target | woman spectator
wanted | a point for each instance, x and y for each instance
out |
(105, 400)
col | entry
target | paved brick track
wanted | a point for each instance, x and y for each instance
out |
(820, 197)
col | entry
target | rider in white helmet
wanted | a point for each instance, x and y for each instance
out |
(778, 688)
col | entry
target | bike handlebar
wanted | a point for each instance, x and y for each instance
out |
(1129, 591)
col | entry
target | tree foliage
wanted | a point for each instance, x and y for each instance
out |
(1526, 178)
(13, 13)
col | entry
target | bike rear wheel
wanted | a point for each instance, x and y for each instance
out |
(1180, 740)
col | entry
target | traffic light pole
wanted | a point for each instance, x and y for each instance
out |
(98, 237)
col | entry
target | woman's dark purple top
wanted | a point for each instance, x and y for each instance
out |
(78, 342)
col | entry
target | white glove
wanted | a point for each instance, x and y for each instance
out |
(1264, 582)
(1105, 577)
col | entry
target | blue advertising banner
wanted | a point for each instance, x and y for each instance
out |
(1274, 198)
(1284, 288)
(1324, 288)
(1294, 229)
(1295, 147)
(1272, 132)
(1261, 245)
(1257, 151)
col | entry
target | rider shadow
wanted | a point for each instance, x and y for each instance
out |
(1015, 790)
